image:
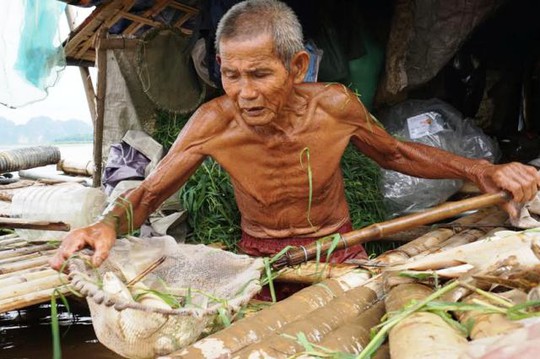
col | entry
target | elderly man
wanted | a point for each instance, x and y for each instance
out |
(281, 141)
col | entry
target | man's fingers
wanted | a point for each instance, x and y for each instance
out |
(101, 252)
(511, 209)
(69, 245)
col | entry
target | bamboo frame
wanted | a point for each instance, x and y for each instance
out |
(81, 45)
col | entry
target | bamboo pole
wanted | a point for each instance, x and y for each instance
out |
(30, 299)
(18, 277)
(33, 224)
(379, 230)
(8, 253)
(16, 290)
(8, 236)
(23, 272)
(19, 258)
(101, 56)
(14, 267)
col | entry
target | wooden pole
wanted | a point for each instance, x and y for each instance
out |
(101, 60)
(379, 230)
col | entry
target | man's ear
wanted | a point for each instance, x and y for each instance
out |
(218, 60)
(299, 66)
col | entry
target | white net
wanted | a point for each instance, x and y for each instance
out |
(202, 282)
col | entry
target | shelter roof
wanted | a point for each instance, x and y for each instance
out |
(128, 18)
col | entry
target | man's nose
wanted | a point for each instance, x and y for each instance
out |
(248, 91)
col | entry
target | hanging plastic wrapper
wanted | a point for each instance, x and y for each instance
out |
(434, 123)
(31, 55)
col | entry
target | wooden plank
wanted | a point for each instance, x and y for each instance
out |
(26, 276)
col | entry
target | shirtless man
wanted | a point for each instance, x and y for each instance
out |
(270, 131)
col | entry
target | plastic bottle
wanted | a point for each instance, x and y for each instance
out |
(73, 204)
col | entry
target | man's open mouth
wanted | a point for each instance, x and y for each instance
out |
(254, 111)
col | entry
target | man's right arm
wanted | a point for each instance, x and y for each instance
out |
(131, 209)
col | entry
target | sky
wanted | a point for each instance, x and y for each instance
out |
(66, 100)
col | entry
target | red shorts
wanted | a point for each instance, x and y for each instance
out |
(267, 247)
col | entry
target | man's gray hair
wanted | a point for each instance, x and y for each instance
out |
(254, 17)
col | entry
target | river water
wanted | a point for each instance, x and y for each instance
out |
(26, 334)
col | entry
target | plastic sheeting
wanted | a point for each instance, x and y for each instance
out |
(434, 123)
(31, 55)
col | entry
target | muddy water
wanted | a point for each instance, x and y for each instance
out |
(27, 334)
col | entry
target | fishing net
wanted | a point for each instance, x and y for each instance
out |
(205, 282)
(31, 55)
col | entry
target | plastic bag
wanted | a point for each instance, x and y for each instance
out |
(434, 123)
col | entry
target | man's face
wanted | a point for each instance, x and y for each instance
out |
(255, 78)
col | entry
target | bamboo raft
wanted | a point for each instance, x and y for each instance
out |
(25, 276)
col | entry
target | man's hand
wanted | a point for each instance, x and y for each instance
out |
(521, 181)
(99, 236)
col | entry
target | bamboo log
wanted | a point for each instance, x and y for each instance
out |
(253, 329)
(353, 336)
(9, 253)
(318, 324)
(24, 271)
(19, 258)
(480, 254)
(313, 272)
(34, 262)
(33, 224)
(30, 299)
(486, 324)
(422, 334)
(20, 289)
(380, 230)
(18, 277)
(495, 218)
(6, 237)
(85, 168)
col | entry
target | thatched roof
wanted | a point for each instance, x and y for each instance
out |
(128, 18)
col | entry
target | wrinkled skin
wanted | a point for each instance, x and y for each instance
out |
(263, 131)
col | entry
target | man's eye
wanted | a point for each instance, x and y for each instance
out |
(230, 75)
(260, 75)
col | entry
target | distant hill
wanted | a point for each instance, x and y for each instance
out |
(43, 130)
